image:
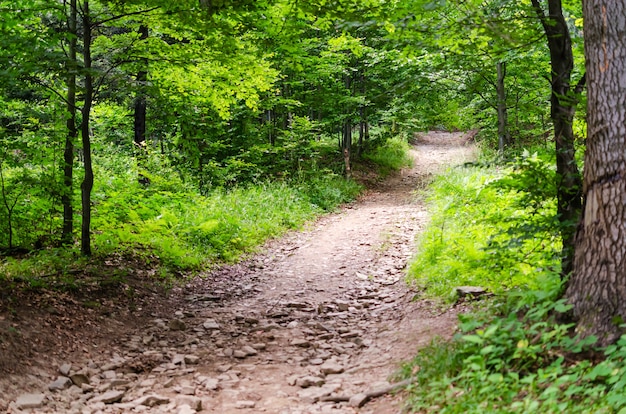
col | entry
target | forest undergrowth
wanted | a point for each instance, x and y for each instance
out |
(177, 228)
(493, 225)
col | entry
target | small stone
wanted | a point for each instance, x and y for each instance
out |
(245, 404)
(109, 397)
(152, 400)
(358, 400)
(310, 381)
(331, 367)
(28, 401)
(470, 291)
(313, 395)
(192, 359)
(119, 382)
(177, 325)
(185, 409)
(342, 306)
(148, 383)
(316, 361)
(224, 368)
(188, 390)
(110, 374)
(250, 351)
(194, 403)
(79, 379)
(211, 384)
(65, 369)
(297, 305)
(240, 354)
(60, 384)
(169, 383)
(86, 387)
(178, 359)
(211, 324)
(259, 346)
(302, 343)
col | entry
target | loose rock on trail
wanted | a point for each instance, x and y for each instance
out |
(316, 324)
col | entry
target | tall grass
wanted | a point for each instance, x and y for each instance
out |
(484, 231)
(393, 155)
(497, 228)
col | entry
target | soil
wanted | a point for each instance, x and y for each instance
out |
(321, 314)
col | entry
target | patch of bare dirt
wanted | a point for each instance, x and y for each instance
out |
(321, 318)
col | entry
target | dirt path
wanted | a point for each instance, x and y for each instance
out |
(324, 313)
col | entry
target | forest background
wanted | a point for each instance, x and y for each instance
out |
(184, 134)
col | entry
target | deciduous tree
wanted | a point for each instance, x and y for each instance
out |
(597, 288)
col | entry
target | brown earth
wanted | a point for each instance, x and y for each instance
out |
(320, 315)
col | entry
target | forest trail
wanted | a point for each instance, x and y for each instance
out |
(322, 313)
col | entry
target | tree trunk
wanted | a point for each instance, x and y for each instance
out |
(503, 133)
(597, 288)
(346, 144)
(67, 236)
(346, 136)
(562, 108)
(87, 184)
(140, 113)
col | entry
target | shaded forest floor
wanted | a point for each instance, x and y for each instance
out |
(320, 315)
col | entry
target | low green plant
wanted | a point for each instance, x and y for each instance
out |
(497, 229)
(489, 228)
(392, 155)
(518, 359)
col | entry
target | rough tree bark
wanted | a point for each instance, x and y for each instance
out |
(562, 109)
(72, 132)
(597, 288)
(87, 184)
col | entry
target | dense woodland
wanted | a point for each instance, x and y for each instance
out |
(189, 132)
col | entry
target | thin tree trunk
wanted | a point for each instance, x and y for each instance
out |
(140, 113)
(87, 184)
(562, 109)
(503, 132)
(597, 288)
(347, 145)
(72, 132)
(346, 141)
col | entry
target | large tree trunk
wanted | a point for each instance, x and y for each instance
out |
(503, 131)
(597, 288)
(72, 132)
(87, 184)
(562, 108)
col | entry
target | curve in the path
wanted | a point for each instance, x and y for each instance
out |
(324, 314)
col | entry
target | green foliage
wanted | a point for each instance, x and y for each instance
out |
(490, 229)
(518, 359)
(392, 155)
(187, 230)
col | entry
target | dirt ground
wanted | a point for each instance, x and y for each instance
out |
(317, 319)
